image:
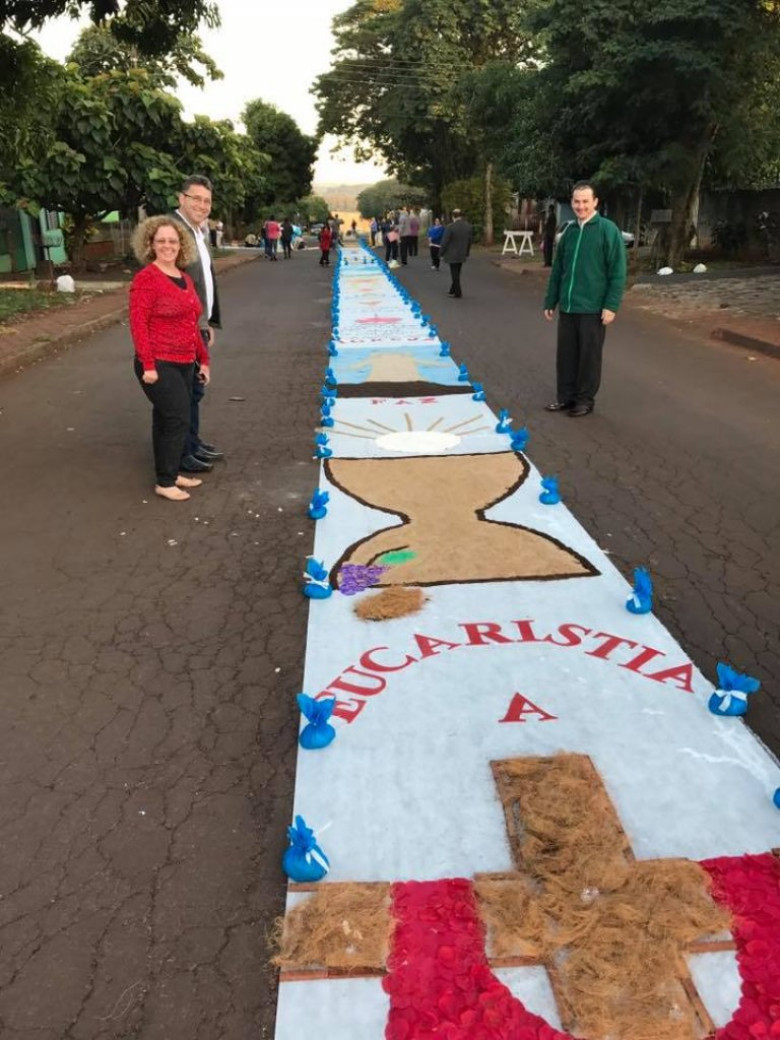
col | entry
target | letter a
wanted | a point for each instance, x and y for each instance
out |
(521, 706)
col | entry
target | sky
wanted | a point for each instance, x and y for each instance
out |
(274, 54)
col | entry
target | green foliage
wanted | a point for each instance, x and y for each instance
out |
(385, 195)
(97, 50)
(290, 153)
(312, 209)
(469, 197)
(14, 302)
(394, 89)
(153, 26)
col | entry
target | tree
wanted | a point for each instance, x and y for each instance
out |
(641, 95)
(312, 209)
(393, 88)
(153, 26)
(386, 195)
(97, 50)
(290, 152)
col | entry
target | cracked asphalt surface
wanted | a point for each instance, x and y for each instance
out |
(151, 651)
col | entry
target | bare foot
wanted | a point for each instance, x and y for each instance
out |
(173, 494)
(188, 482)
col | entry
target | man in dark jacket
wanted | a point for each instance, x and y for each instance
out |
(193, 211)
(455, 249)
(586, 284)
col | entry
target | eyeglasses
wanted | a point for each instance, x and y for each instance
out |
(197, 198)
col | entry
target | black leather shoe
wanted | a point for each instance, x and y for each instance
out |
(559, 406)
(208, 454)
(208, 447)
(191, 464)
(580, 410)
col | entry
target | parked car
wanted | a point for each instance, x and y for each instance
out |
(315, 229)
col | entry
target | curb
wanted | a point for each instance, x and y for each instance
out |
(739, 339)
(48, 346)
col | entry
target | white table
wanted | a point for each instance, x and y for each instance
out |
(511, 246)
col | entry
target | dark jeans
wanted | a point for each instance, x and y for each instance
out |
(391, 250)
(580, 346)
(455, 273)
(287, 247)
(325, 258)
(414, 245)
(170, 397)
(435, 250)
(193, 442)
(548, 244)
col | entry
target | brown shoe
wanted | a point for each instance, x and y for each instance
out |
(173, 494)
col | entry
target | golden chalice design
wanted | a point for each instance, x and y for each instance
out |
(445, 537)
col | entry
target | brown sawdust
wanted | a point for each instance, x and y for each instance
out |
(612, 929)
(391, 603)
(341, 926)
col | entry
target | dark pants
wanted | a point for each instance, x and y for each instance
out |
(170, 397)
(580, 345)
(548, 244)
(414, 245)
(391, 249)
(193, 442)
(455, 273)
(325, 257)
(435, 250)
(406, 247)
(287, 247)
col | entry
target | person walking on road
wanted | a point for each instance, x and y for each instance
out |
(164, 323)
(435, 234)
(194, 208)
(325, 239)
(455, 249)
(586, 284)
(548, 241)
(287, 237)
(404, 234)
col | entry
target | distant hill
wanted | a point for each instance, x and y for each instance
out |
(340, 196)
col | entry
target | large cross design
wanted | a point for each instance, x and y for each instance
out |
(577, 903)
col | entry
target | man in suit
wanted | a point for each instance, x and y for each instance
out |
(193, 212)
(455, 249)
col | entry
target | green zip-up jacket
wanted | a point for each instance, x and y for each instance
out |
(589, 268)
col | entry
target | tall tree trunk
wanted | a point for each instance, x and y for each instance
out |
(489, 204)
(77, 242)
(684, 196)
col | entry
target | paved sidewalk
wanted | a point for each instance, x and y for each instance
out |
(40, 334)
(743, 310)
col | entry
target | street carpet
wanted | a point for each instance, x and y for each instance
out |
(534, 826)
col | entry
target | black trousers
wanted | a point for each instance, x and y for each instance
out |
(406, 248)
(414, 245)
(193, 442)
(170, 397)
(580, 346)
(435, 250)
(455, 274)
(325, 258)
(287, 247)
(391, 250)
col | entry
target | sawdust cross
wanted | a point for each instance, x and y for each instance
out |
(611, 932)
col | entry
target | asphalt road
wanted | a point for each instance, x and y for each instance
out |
(151, 651)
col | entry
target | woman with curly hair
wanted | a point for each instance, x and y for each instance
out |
(164, 312)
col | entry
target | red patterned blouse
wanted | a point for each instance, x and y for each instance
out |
(164, 320)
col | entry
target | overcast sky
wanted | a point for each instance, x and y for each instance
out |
(273, 54)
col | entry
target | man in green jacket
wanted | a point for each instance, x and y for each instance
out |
(586, 284)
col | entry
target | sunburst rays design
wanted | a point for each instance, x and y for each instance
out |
(408, 437)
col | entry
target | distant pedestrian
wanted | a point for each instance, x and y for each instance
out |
(548, 242)
(414, 233)
(272, 231)
(403, 233)
(325, 238)
(435, 235)
(390, 236)
(372, 230)
(287, 237)
(455, 249)
(164, 323)
(586, 283)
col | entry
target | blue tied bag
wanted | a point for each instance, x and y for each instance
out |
(304, 860)
(734, 688)
(319, 732)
